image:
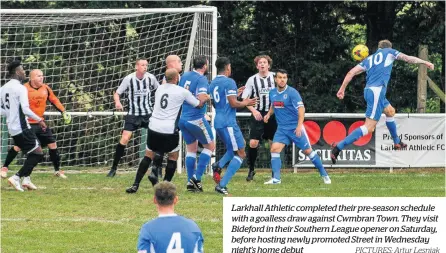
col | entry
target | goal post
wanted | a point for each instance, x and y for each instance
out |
(85, 53)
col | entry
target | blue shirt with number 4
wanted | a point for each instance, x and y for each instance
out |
(169, 234)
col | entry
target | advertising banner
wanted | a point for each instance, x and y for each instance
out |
(423, 133)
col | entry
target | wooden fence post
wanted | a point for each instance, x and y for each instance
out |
(422, 80)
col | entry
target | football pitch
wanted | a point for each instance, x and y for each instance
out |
(91, 213)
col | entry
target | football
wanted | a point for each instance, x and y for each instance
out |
(360, 52)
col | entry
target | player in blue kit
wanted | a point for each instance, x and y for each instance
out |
(289, 110)
(378, 67)
(194, 126)
(169, 232)
(224, 96)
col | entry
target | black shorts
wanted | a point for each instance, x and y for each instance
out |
(162, 143)
(133, 123)
(44, 138)
(26, 141)
(259, 130)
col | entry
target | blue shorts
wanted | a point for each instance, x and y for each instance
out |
(232, 137)
(287, 136)
(198, 129)
(376, 100)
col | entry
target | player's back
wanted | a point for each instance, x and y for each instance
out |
(10, 103)
(221, 88)
(170, 233)
(286, 104)
(168, 101)
(378, 66)
(196, 84)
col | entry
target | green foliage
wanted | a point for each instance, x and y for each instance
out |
(312, 40)
(433, 105)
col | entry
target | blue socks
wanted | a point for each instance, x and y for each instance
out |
(354, 136)
(203, 161)
(316, 160)
(233, 167)
(276, 164)
(391, 125)
(191, 159)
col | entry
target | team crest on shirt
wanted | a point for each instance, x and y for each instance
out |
(285, 96)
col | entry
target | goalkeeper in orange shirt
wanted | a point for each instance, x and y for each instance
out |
(38, 94)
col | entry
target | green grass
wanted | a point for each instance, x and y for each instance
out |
(91, 213)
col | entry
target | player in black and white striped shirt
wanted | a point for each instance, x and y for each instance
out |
(140, 87)
(259, 85)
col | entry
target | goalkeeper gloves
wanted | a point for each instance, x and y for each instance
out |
(66, 118)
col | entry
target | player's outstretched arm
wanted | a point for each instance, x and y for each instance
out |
(348, 78)
(56, 102)
(234, 103)
(203, 98)
(414, 60)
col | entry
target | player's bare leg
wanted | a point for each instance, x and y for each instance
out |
(389, 111)
(120, 148)
(368, 127)
(12, 153)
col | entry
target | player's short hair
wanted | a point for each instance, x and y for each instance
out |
(165, 193)
(141, 59)
(221, 64)
(258, 57)
(282, 71)
(384, 44)
(12, 66)
(199, 62)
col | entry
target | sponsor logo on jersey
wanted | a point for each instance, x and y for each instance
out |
(141, 92)
(279, 104)
(265, 90)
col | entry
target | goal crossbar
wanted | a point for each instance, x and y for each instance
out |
(199, 9)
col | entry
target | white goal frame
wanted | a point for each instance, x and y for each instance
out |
(187, 66)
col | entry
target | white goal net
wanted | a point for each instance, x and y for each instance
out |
(84, 54)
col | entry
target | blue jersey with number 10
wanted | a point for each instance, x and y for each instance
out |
(196, 83)
(170, 233)
(222, 87)
(378, 67)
